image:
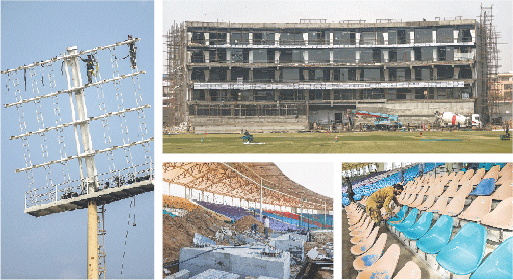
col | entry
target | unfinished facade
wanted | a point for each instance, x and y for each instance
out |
(287, 76)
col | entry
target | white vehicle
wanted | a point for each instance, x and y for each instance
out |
(452, 119)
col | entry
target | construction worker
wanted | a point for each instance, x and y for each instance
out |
(132, 49)
(266, 227)
(349, 191)
(382, 198)
(90, 61)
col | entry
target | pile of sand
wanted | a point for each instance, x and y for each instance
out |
(245, 223)
(179, 232)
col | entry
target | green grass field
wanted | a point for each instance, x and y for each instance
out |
(352, 142)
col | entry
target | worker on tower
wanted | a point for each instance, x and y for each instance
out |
(382, 198)
(90, 62)
(132, 50)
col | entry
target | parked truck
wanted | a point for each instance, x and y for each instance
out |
(381, 121)
(449, 119)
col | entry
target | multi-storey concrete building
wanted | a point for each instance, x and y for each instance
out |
(288, 76)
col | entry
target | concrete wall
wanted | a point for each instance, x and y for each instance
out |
(252, 124)
(242, 261)
(417, 111)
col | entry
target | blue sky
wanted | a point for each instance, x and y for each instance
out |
(55, 246)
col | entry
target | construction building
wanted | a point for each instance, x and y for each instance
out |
(224, 77)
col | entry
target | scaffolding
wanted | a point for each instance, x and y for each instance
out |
(489, 58)
(175, 78)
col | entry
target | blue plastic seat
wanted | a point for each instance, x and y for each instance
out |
(485, 187)
(498, 265)
(437, 237)
(466, 250)
(408, 221)
(399, 216)
(420, 227)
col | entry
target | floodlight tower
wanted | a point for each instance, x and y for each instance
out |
(59, 197)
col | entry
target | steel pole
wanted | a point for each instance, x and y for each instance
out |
(91, 180)
(261, 189)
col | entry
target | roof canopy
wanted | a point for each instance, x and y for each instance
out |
(242, 180)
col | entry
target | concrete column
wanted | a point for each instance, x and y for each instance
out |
(276, 95)
(385, 38)
(251, 56)
(207, 95)
(435, 54)
(456, 33)
(357, 37)
(92, 240)
(358, 74)
(332, 75)
(305, 38)
(276, 56)
(412, 55)
(229, 74)
(385, 55)
(456, 72)
(435, 93)
(207, 74)
(206, 54)
(189, 55)
(332, 94)
(357, 53)
(251, 38)
(276, 39)
(228, 38)
(307, 94)
(276, 75)
(331, 56)
(228, 56)
(473, 33)
(435, 73)
(331, 38)
(306, 75)
(207, 38)
(250, 74)
(189, 37)
(412, 74)
(434, 36)
(412, 37)
(386, 75)
(305, 56)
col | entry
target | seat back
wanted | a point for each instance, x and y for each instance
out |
(371, 255)
(437, 236)
(361, 247)
(439, 205)
(430, 200)
(501, 216)
(410, 271)
(504, 191)
(508, 168)
(478, 209)
(504, 179)
(451, 190)
(498, 265)
(454, 207)
(408, 221)
(471, 239)
(420, 227)
(384, 267)
(493, 173)
(485, 187)
(465, 189)
(417, 201)
(400, 216)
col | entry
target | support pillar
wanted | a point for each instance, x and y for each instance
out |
(358, 74)
(91, 181)
(412, 74)
(386, 74)
(456, 72)
(92, 240)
